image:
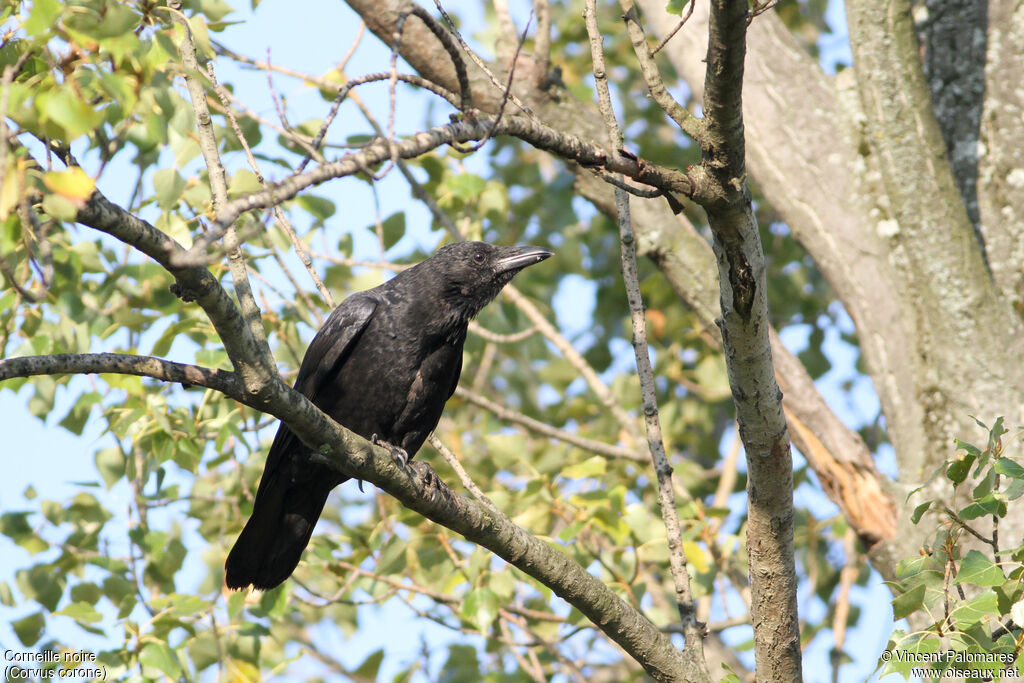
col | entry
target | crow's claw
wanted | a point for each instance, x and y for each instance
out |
(398, 453)
(431, 484)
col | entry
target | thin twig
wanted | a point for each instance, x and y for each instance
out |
(673, 32)
(514, 338)
(666, 493)
(689, 183)
(219, 194)
(847, 577)
(576, 359)
(635, 191)
(282, 221)
(508, 87)
(502, 413)
(483, 65)
(343, 93)
(467, 481)
(962, 524)
(690, 124)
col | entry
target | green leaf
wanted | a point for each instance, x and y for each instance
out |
(6, 595)
(243, 182)
(1008, 467)
(61, 208)
(75, 116)
(42, 584)
(275, 602)
(919, 511)
(368, 670)
(42, 17)
(116, 20)
(215, 10)
(957, 470)
(978, 570)
(393, 228)
(989, 505)
(159, 656)
(29, 629)
(110, 463)
(975, 610)
(592, 467)
(909, 602)
(82, 612)
(480, 608)
(168, 186)
(970, 448)
(79, 414)
(712, 378)
(321, 209)
(494, 200)
(236, 601)
(465, 186)
(986, 485)
(676, 7)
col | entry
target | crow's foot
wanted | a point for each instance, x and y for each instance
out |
(398, 453)
(430, 483)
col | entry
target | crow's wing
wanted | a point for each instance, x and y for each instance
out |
(333, 344)
(326, 354)
(455, 377)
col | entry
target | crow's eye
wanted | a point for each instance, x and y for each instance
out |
(478, 257)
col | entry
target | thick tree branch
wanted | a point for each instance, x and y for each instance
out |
(418, 489)
(745, 343)
(359, 459)
(1000, 153)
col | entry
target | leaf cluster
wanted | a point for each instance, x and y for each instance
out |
(966, 591)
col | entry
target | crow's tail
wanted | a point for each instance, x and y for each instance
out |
(288, 503)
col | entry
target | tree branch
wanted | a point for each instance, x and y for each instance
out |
(745, 341)
(564, 145)
(223, 381)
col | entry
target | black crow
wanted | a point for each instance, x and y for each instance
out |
(383, 365)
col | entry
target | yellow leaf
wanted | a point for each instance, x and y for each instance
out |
(73, 184)
(695, 556)
(9, 190)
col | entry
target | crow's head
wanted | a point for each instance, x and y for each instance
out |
(474, 272)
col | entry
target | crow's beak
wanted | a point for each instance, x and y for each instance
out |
(517, 258)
